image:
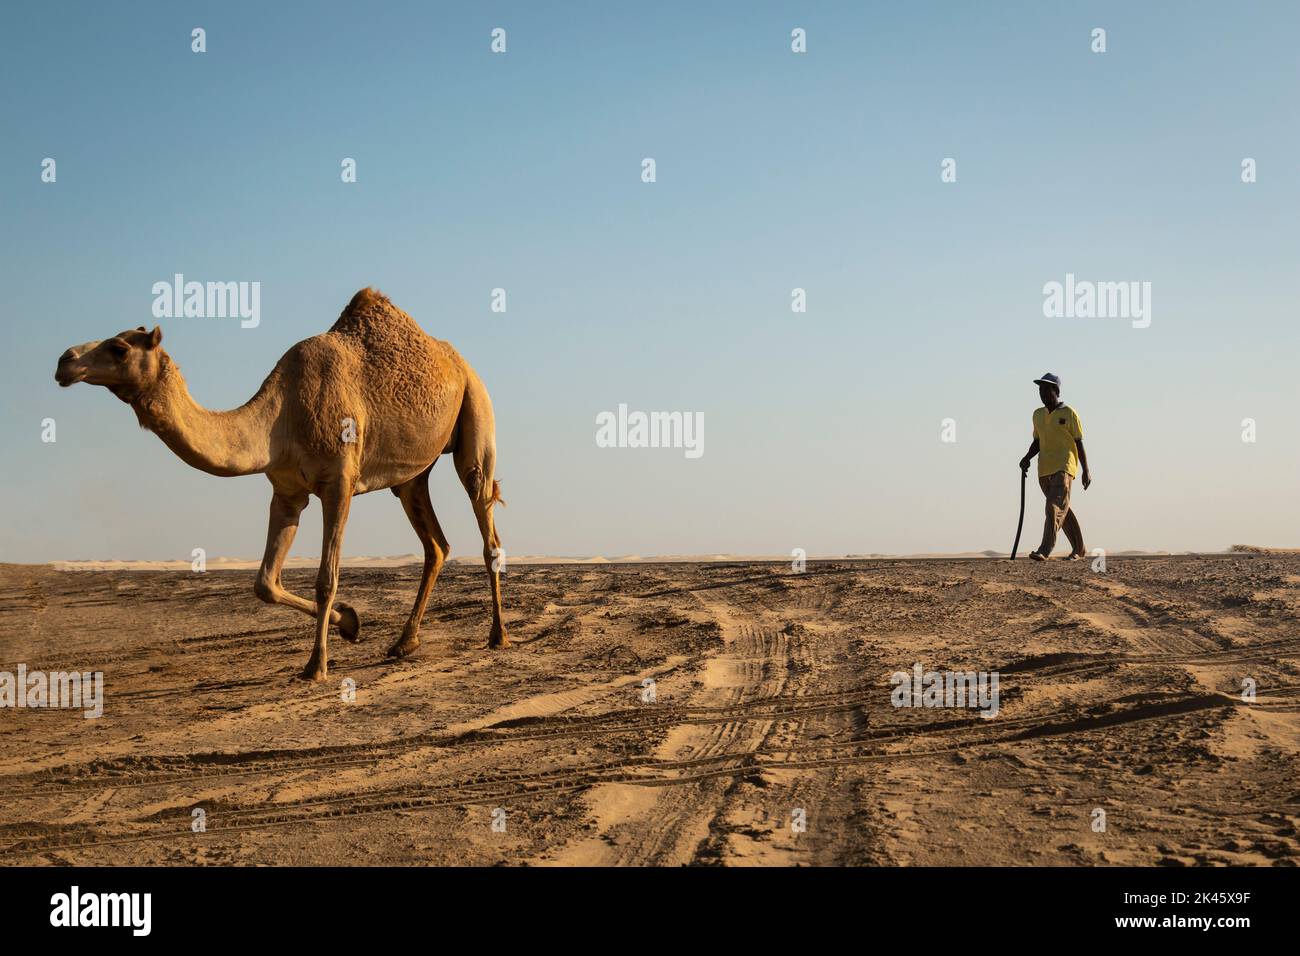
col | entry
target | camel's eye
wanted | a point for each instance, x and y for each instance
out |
(118, 347)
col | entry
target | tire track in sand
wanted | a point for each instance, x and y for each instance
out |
(666, 826)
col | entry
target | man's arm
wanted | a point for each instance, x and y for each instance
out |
(1083, 460)
(1029, 455)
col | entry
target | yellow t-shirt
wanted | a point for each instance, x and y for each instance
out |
(1057, 432)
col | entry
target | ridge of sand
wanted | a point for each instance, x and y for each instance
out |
(401, 560)
(666, 714)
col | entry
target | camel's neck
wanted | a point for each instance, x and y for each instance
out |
(236, 442)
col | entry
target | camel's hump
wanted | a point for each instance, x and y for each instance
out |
(369, 307)
(369, 310)
(372, 323)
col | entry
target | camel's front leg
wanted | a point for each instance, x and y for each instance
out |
(285, 510)
(334, 509)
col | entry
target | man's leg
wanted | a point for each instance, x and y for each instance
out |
(1074, 533)
(1056, 489)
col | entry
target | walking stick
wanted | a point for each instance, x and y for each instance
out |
(1024, 474)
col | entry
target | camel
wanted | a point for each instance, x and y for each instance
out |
(371, 404)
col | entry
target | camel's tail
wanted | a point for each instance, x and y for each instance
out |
(475, 451)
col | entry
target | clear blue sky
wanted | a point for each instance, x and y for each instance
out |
(775, 170)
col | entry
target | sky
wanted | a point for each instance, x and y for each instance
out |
(774, 170)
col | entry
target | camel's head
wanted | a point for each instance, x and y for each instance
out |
(127, 364)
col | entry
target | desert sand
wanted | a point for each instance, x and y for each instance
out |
(1120, 691)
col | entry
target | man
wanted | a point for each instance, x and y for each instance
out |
(1058, 443)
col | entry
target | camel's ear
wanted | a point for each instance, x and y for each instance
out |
(141, 328)
(155, 337)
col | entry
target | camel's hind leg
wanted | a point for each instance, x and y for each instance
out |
(414, 496)
(285, 510)
(475, 456)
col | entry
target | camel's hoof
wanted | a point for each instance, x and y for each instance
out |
(405, 646)
(314, 672)
(498, 641)
(350, 624)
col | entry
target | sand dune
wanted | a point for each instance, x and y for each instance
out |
(1120, 692)
(401, 560)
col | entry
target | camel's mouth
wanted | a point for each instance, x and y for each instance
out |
(66, 376)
